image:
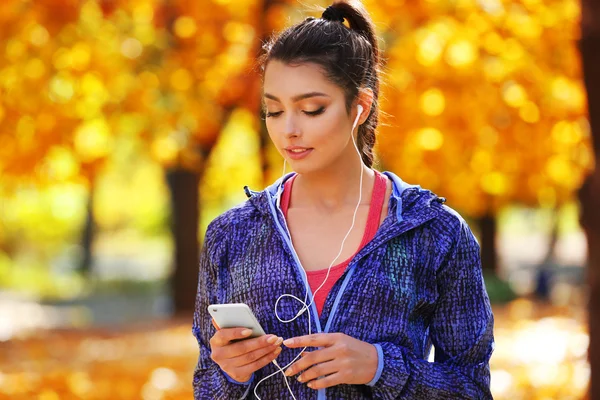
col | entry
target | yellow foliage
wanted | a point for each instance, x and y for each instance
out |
(492, 92)
(67, 78)
(489, 91)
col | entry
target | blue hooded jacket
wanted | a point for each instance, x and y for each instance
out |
(417, 283)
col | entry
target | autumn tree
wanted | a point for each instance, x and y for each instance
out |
(200, 77)
(487, 104)
(60, 82)
(590, 192)
(168, 73)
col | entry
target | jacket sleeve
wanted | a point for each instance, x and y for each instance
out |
(461, 331)
(209, 381)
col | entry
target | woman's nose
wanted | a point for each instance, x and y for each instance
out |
(291, 128)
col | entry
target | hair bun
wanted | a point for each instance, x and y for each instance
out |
(333, 13)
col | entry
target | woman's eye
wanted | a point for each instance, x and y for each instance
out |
(272, 114)
(316, 112)
(311, 113)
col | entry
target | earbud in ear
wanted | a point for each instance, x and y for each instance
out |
(359, 110)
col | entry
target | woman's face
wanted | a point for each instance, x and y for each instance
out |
(306, 116)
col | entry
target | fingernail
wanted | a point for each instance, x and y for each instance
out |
(279, 341)
(300, 379)
(272, 339)
(288, 372)
(277, 351)
(246, 332)
(288, 342)
(310, 385)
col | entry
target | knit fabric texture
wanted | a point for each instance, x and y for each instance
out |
(417, 283)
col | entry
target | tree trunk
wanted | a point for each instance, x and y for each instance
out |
(549, 257)
(87, 237)
(265, 141)
(544, 274)
(590, 192)
(183, 186)
(488, 230)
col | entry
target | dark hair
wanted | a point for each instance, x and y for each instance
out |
(349, 57)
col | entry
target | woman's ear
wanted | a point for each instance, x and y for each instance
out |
(365, 99)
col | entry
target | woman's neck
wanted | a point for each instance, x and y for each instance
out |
(334, 188)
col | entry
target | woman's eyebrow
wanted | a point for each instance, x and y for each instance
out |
(298, 97)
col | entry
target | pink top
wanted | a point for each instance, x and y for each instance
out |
(315, 278)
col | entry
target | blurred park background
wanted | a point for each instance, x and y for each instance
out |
(127, 126)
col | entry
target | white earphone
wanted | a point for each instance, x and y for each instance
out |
(359, 110)
(305, 306)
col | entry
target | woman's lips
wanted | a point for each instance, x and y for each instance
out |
(298, 153)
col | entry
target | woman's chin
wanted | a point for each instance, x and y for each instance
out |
(306, 168)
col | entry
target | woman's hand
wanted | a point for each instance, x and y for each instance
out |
(240, 359)
(342, 360)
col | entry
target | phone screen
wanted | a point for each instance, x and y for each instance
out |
(235, 315)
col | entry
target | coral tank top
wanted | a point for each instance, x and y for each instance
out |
(316, 277)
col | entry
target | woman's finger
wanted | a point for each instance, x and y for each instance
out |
(248, 369)
(328, 381)
(319, 370)
(314, 340)
(252, 356)
(240, 348)
(312, 358)
(224, 336)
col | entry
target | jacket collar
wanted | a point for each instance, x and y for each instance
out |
(409, 204)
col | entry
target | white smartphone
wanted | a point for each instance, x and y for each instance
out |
(235, 315)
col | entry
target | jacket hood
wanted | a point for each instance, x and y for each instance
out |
(408, 203)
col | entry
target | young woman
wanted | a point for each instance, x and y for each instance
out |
(358, 271)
